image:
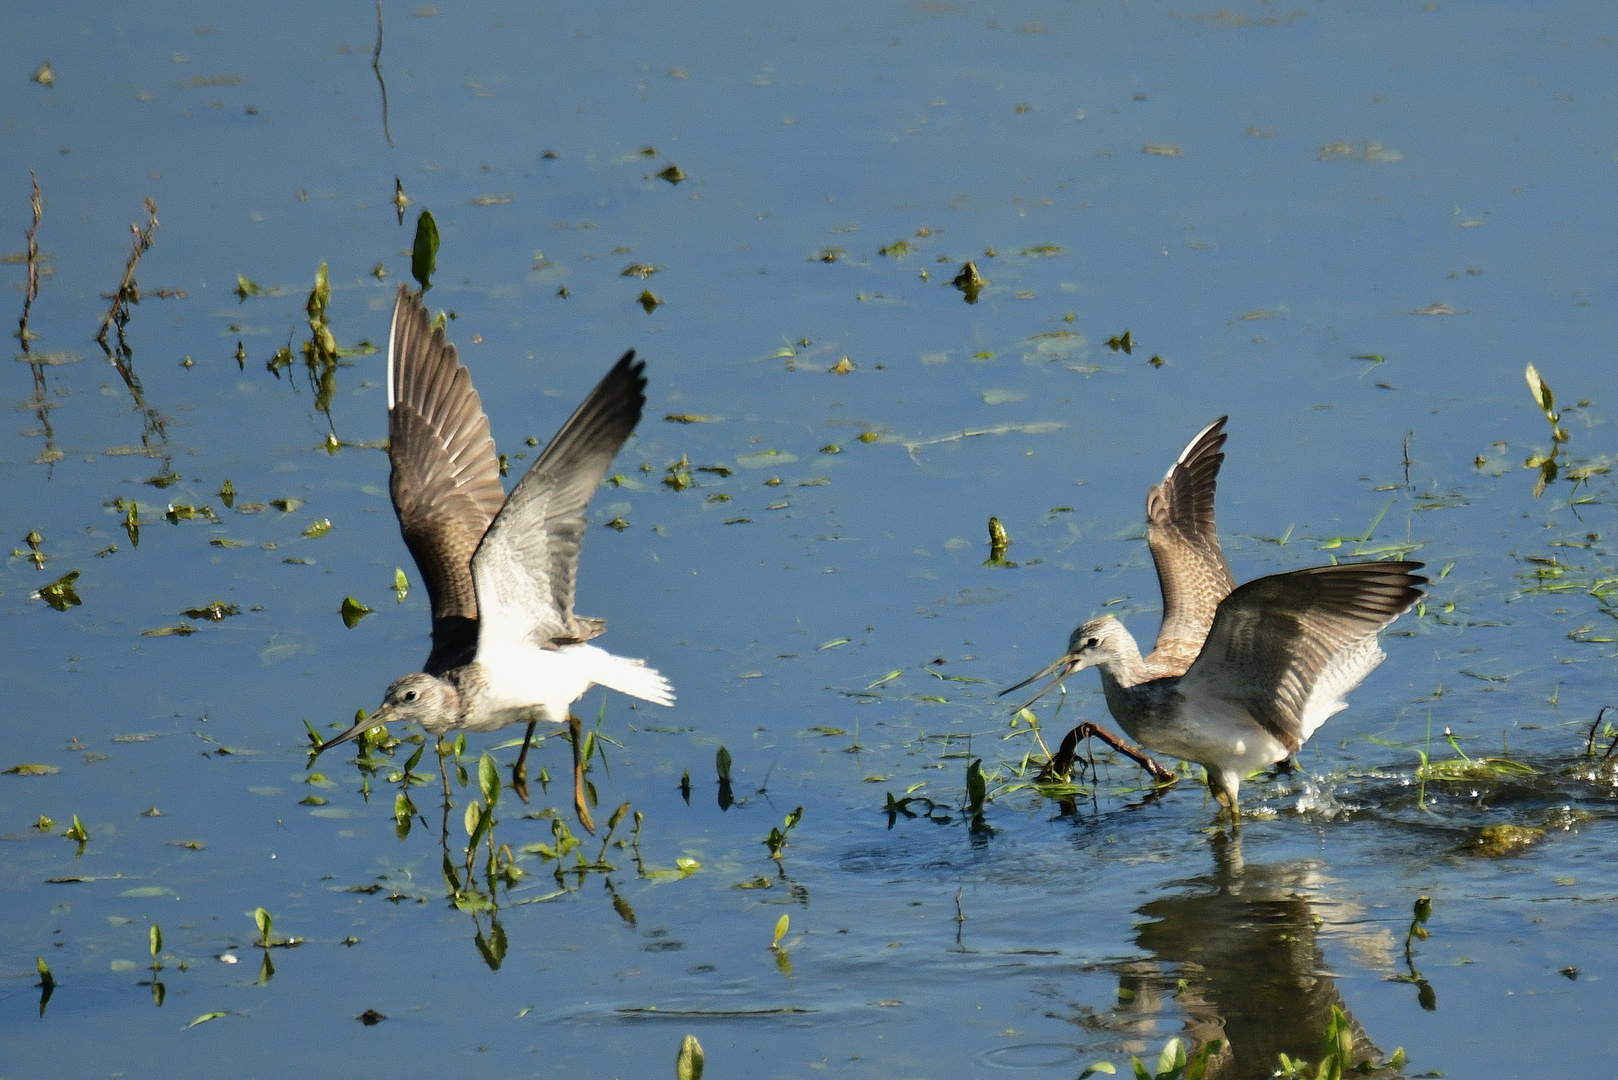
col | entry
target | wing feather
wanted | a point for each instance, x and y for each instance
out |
(446, 479)
(1191, 567)
(526, 569)
(1288, 647)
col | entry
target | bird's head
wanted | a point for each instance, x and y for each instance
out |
(1093, 643)
(425, 699)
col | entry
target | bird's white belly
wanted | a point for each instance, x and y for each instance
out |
(1214, 732)
(526, 683)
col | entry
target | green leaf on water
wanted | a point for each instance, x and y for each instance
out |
(59, 594)
(1542, 393)
(183, 630)
(155, 940)
(691, 1061)
(353, 611)
(214, 612)
(781, 926)
(489, 780)
(976, 787)
(1172, 1058)
(33, 769)
(401, 584)
(1099, 1067)
(246, 287)
(204, 1018)
(722, 764)
(77, 832)
(318, 529)
(424, 253)
(265, 924)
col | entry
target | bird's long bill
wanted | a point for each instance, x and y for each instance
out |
(1061, 667)
(376, 719)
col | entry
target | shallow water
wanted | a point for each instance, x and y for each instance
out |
(1262, 195)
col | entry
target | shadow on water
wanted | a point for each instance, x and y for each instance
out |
(1237, 953)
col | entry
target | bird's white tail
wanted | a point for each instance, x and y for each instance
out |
(632, 677)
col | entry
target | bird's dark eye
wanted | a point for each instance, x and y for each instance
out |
(1092, 643)
(410, 695)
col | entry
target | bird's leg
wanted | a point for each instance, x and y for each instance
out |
(576, 726)
(519, 771)
(1226, 800)
(1138, 756)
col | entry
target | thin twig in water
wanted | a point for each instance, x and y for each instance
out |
(376, 66)
(33, 270)
(1408, 436)
(122, 357)
(41, 402)
(128, 292)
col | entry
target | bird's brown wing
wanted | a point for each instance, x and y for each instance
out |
(527, 567)
(1288, 647)
(1180, 530)
(446, 479)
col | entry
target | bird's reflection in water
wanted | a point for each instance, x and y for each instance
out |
(1240, 953)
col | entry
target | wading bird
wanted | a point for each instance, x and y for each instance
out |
(500, 571)
(1239, 678)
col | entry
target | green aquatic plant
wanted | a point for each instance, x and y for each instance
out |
(1426, 996)
(998, 542)
(1549, 464)
(977, 790)
(46, 984)
(1172, 1063)
(60, 593)
(1459, 769)
(424, 250)
(352, 612)
(690, 1062)
(777, 840)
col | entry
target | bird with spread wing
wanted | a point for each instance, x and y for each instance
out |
(500, 570)
(1239, 678)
